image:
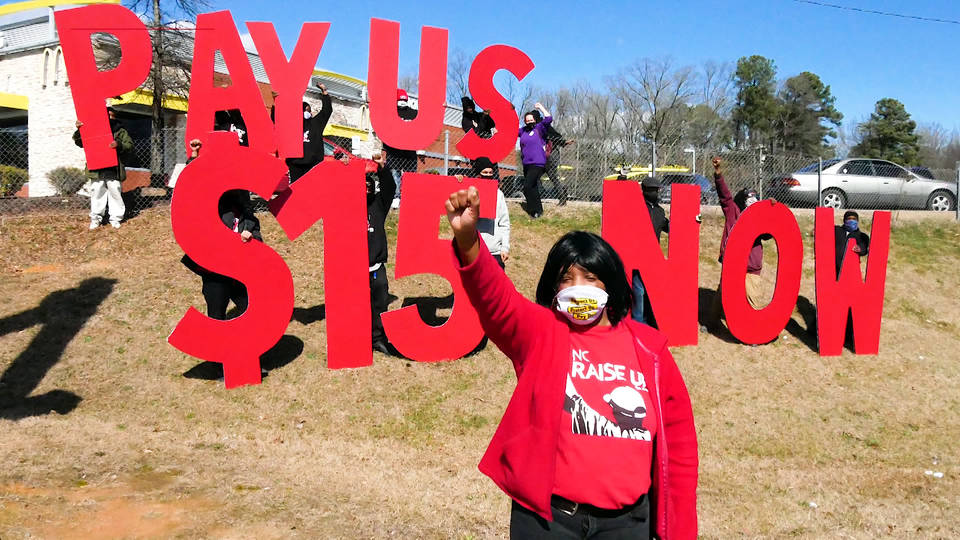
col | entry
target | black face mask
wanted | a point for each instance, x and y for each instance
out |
(529, 126)
(652, 196)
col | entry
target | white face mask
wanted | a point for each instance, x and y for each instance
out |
(582, 304)
(306, 115)
(750, 200)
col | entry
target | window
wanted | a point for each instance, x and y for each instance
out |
(813, 166)
(857, 166)
(889, 170)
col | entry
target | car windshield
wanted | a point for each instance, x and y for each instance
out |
(813, 166)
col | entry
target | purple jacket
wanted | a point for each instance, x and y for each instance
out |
(532, 143)
(731, 213)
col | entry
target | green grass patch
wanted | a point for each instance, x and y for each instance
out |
(924, 245)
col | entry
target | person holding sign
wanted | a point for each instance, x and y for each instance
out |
(533, 141)
(733, 206)
(380, 191)
(313, 126)
(598, 440)
(850, 230)
(105, 195)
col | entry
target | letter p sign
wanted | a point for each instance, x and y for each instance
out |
(91, 87)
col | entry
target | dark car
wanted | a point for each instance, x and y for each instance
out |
(923, 172)
(708, 193)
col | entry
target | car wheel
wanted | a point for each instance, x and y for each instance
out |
(941, 201)
(833, 198)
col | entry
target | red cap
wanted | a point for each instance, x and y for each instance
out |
(402, 95)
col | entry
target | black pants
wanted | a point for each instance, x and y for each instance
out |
(379, 301)
(632, 524)
(218, 291)
(553, 171)
(499, 260)
(531, 189)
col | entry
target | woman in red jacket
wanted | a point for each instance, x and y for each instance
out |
(598, 440)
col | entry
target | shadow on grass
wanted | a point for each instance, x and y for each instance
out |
(428, 306)
(705, 299)
(310, 315)
(61, 315)
(288, 349)
(808, 335)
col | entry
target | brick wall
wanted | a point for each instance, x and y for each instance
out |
(50, 116)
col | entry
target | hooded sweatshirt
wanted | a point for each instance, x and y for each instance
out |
(378, 206)
(480, 122)
(313, 136)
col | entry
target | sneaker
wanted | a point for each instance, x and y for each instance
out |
(395, 204)
(94, 223)
(114, 224)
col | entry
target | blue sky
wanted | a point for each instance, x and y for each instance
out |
(863, 57)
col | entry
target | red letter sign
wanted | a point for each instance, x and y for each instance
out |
(671, 282)
(862, 296)
(197, 227)
(755, 326)
(420, 250)
(90, 86)
(486, 96)
(216, 32)
(382, 84)
(336, 193)
(289, 79)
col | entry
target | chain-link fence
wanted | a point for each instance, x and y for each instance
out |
(793, 179)
(574, 171)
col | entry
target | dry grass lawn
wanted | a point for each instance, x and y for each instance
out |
(791, 444)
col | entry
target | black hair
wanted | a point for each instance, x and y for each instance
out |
(537, 117)
(741, 197)
(594, 254)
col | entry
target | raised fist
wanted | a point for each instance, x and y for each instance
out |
(463, 211)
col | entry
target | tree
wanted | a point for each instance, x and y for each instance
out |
(172, 56)
(716, 86)
(938, 148)
(889, 134)
(756, 104)
(806, 112)
(458, 76)
(705, 128)
(652, 95)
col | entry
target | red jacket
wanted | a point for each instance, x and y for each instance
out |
(521, 457)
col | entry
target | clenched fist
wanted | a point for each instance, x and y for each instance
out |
(463, 211)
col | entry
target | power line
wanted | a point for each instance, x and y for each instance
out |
(876, 12)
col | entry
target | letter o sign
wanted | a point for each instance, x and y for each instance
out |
(755, 326)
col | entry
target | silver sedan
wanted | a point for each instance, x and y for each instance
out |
(863, 183)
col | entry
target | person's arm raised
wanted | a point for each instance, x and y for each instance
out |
(463, 211)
